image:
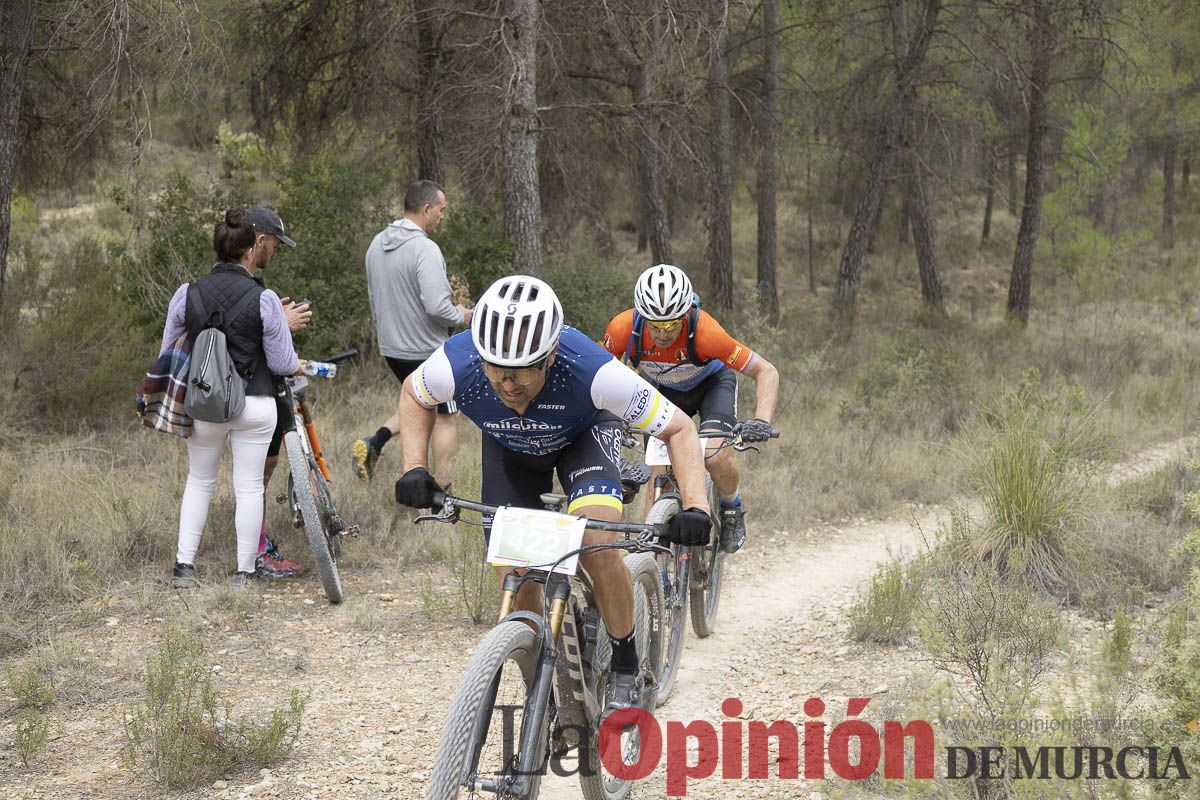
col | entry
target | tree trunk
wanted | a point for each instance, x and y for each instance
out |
(768, 293)
(905, 217)
(850, 270)
(519, 138)
(916, 188)
(17, 21)
(720, 197)
(656, 226)
(989, 197)
(808, 213)
(1168, 218)
(1172, 145)
(923, 236)
(894, 130)
(1020, 287)
(433, 62)
(1012, 178)
(1184, 175)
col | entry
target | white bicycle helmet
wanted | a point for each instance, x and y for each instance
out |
(662, 292)
(517, 322)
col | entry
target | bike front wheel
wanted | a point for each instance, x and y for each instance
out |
(708, 567)
(674, 572)
(308, 486)
(496, 682)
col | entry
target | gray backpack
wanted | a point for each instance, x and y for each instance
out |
(216, 392)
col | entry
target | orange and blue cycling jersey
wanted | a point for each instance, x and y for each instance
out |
(670, 366)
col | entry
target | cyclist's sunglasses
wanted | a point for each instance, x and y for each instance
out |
(664, 326)
(519, 375)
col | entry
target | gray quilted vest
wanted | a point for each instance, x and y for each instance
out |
(215, 390)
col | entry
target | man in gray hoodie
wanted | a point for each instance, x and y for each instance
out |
(413, 312)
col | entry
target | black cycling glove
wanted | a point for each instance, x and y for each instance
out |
(689, 527)
(755, 430)
(416, 488)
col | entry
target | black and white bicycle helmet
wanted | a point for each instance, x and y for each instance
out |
(662, 292)
(517, 322)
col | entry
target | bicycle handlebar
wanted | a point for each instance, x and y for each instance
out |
(732, 438)
(345, 355)
(451, 506)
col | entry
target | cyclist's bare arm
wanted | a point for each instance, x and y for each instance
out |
(766, 379)
(416, 428)
(683, 445)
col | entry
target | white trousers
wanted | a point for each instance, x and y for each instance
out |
(249, 435)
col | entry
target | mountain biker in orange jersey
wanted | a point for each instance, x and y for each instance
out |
(690, 358)
(549, 400)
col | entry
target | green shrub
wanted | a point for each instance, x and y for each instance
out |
(1118, 649)
(884, 614)
(269, 743)
(473, 242)
(173, 246)
(181, 735)
(1176, 673)
(30, 688)
(591, 291)
(30, 734)
(79, 356)
(176, 736)
(1029, 468)
(329, 208)
(240, 154)
(996, 633)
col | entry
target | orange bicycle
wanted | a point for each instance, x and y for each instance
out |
(309, 497)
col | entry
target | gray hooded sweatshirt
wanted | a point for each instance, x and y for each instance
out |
(410, 294)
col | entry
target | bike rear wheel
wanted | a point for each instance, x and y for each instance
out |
(500, 673)
(597, 783)
(707, 568)
(674, 572)
(312, 498)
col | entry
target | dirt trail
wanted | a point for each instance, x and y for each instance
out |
(377, 708)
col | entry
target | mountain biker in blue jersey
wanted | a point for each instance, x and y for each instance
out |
(550, 400)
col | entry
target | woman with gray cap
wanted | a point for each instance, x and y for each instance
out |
(260, 345)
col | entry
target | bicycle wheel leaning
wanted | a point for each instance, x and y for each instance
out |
(311, 496)
(674, 571)
(500, 673)
(708, 566)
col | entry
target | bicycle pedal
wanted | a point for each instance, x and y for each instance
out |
(352, 531)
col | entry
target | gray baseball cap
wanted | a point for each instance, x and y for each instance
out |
(265, 220)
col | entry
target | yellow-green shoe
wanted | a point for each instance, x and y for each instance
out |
(365, 455)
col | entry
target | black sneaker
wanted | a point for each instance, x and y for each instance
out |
(183, 576)
(624, 690)
(733, 529)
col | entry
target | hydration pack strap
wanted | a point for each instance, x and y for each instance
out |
(633, 351)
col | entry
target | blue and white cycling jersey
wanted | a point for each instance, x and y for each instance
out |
(584, 380)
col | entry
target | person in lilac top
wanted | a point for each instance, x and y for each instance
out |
(260, 344)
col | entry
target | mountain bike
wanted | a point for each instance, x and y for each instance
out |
(693, 575)
(309, 497)
(544, 676)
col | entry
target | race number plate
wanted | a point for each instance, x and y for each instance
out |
(656, 453)
(524, 537)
